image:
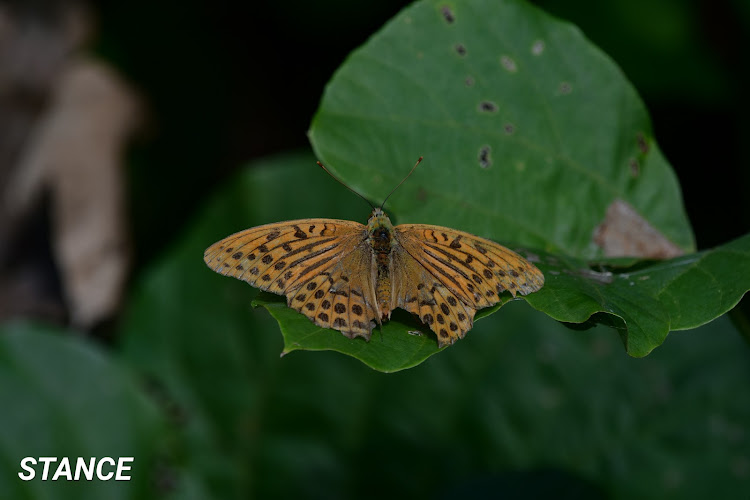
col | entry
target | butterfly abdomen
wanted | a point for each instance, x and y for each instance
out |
(380, 231)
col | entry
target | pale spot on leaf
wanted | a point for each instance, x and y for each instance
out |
(509, 64)
(537, 47)
(625, 233)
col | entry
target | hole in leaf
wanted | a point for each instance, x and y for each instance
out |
(564, 88)
(635, 167)
(642, 143)
(447, 14)
(488, 106)
(484, 156)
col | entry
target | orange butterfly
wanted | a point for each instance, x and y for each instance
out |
(347, 276)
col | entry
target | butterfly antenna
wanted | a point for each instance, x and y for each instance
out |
(347, 187)
(402, 181)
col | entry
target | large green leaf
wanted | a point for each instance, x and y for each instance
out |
(529, 132)
(64, 398)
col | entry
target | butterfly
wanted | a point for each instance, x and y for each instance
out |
(350, 276)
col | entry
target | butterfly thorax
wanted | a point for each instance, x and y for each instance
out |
(380, 238)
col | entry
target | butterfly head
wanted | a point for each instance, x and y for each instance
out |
(379, 226)
(377, 212)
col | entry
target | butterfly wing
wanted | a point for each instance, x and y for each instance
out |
(420, 292)
(342, 296)
(445, 276)
(322, 266)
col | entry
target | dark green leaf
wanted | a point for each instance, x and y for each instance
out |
(646, 303)
(404, 342)
(561, 132)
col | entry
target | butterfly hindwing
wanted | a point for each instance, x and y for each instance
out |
(420, 292)
(341, 297)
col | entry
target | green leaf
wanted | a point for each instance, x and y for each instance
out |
(64, 398)
(404, 342)
(560, 131)
(647, 301)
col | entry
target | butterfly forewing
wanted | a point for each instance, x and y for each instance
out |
(342, 296)
(322, 266)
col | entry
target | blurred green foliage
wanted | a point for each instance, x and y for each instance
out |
(63, 397)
